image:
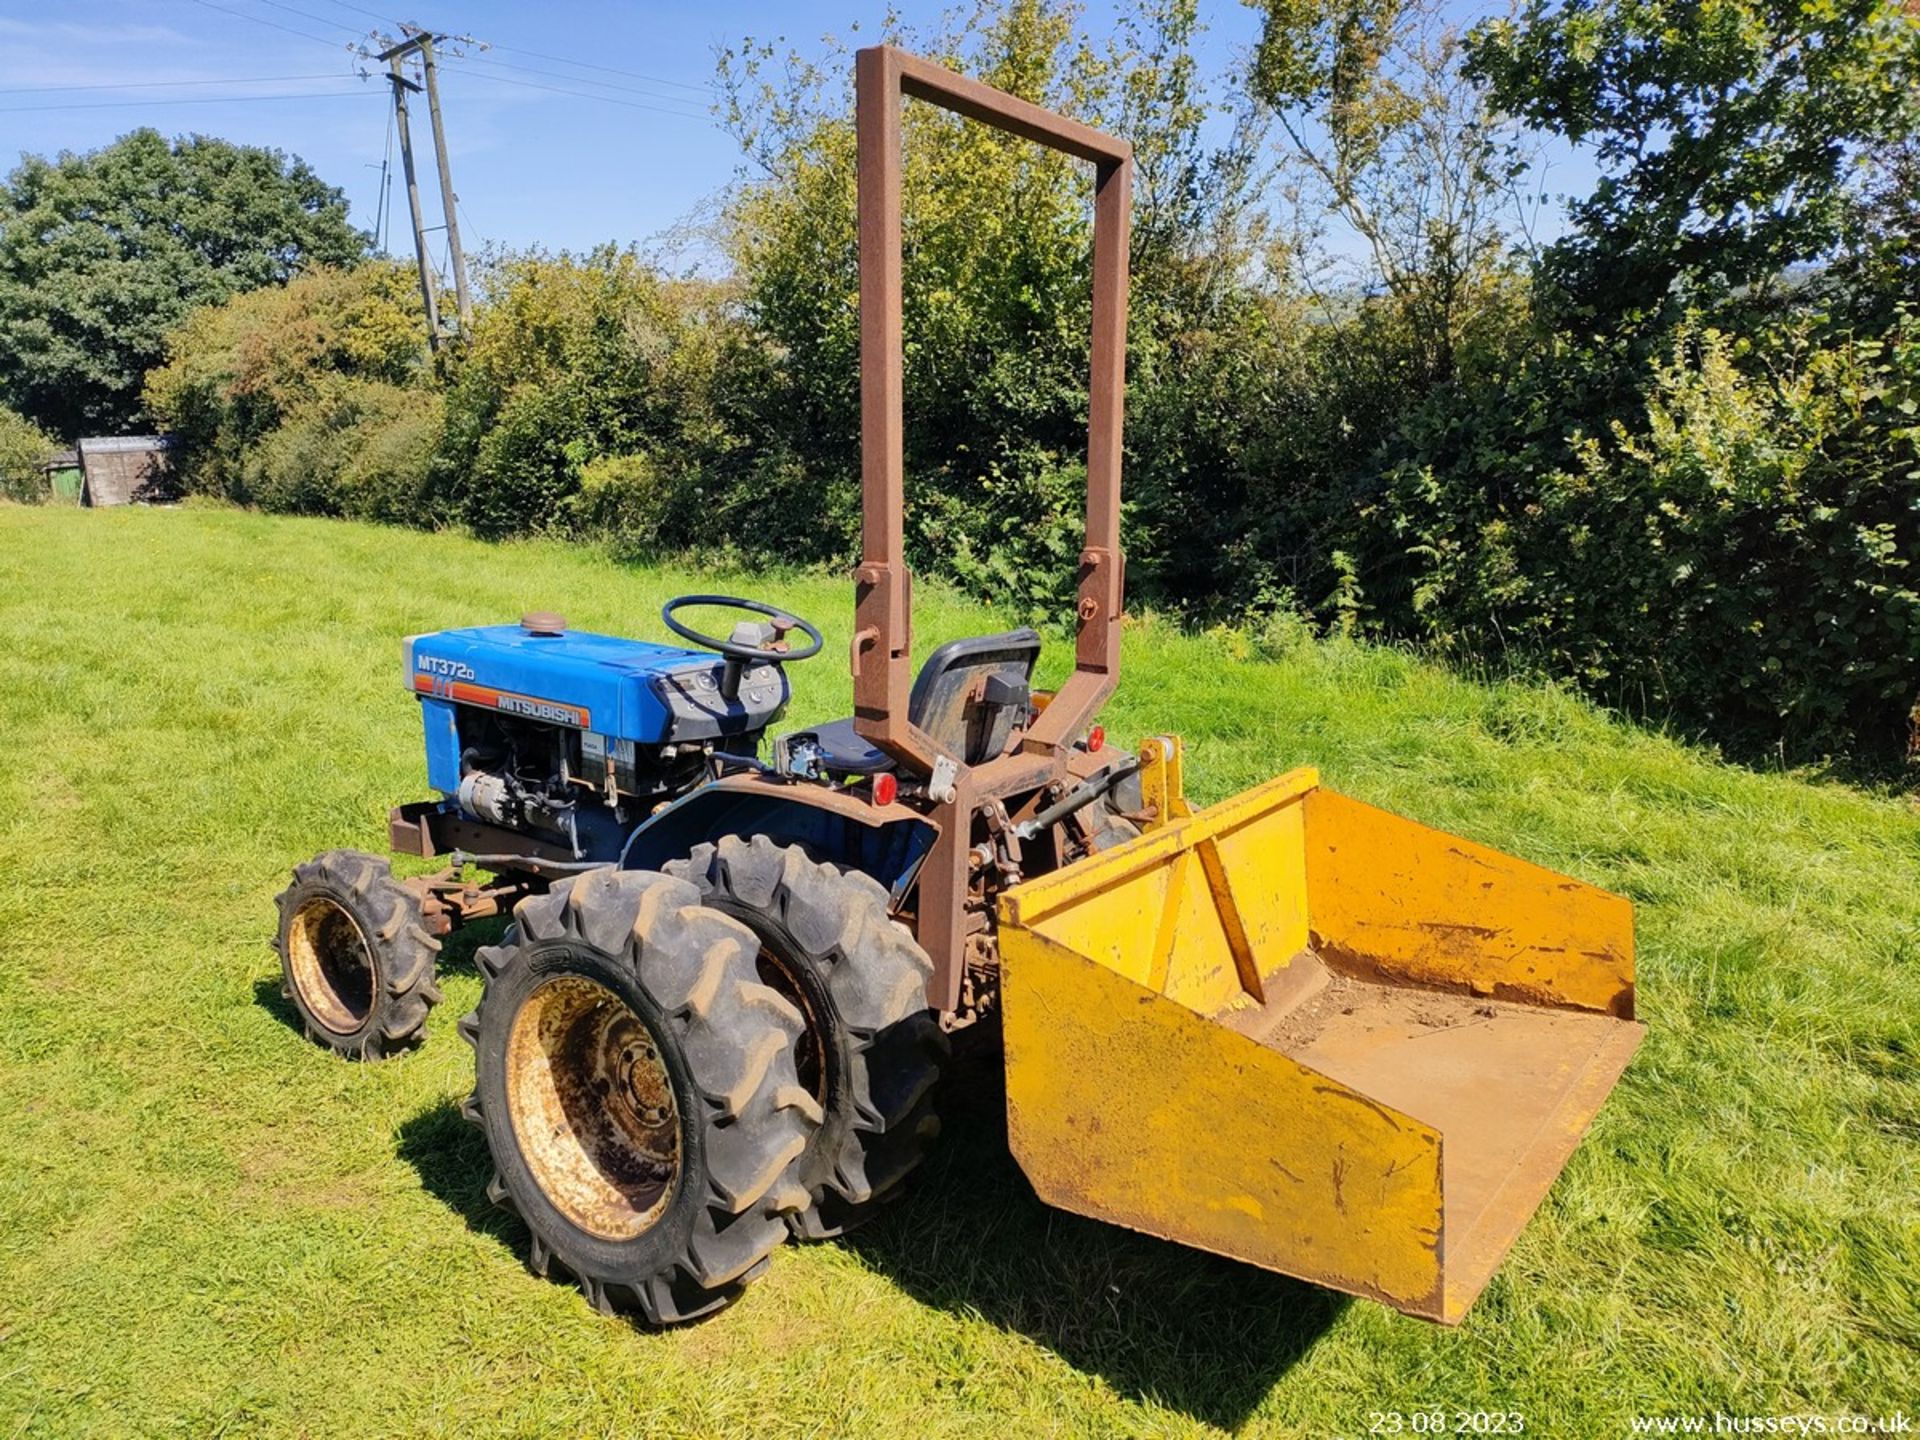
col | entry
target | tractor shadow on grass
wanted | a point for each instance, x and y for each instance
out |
(1203, 1335)
(1159, 1322)
(456, 950)
(450, 1156)
(267, 995)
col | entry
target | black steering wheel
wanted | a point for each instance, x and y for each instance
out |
(740, 656)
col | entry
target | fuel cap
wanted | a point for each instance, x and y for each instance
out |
(543, 622)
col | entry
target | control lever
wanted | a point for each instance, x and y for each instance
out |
(1076, 800)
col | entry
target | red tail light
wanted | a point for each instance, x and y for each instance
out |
(885, 787)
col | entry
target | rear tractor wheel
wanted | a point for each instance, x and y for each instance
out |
(635, 1082)
(355, 956)
(872, 1048)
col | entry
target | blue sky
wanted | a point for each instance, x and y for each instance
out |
(546, 148)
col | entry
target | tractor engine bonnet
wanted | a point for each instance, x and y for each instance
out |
(620, 694)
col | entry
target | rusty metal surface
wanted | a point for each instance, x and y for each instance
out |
(407, 829)
(331, 964)
(882, 652)
(1510, 1087)
(1131, 1108)
(1421, 906)
(592, 1107)
(448, 900)
(852, 805)
(1347, 1047)
(883, 638)
(423, 828)
(1163, 780)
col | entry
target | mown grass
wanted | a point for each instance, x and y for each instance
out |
(208, 1225)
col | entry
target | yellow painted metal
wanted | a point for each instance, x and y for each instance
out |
(1309, 1034)
(1137, 1111)
(1163, 783)
(1431, 908)
(1217, 947)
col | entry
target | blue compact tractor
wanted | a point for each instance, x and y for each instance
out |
(737, 953)
(625, 793)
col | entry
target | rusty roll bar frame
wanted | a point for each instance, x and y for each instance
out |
(882, 658)
(882, 651)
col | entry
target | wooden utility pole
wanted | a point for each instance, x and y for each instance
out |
(449, 203)
(401, 84)
(421, 41)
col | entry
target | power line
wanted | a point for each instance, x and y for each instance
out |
(195, 100)
(608, 69)
(386, 191)
(362, 10)
(590, 95)
(309, 15)
(696, 89)
(273, 25)
(579, 80)
(466, 217)
(157, 84)
(385, 168)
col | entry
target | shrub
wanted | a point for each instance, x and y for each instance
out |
(1740, 559)
(527, 464)
(635, 503)
(24, 448)
(360, 448)
(389, 473)
(575, 358)
(236, 371)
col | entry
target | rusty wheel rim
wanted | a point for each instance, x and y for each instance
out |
(810, 1049)
(592, 1107)
(332, 965)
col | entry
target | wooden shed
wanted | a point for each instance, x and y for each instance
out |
(126, 470)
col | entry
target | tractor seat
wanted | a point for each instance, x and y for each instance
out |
(968, 695)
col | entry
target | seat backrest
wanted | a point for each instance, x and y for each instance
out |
(950, 700)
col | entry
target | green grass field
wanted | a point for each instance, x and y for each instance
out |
(210, 1226)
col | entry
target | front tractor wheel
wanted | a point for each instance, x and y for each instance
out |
(355, 956)
(873, 1049)
(635, 1082)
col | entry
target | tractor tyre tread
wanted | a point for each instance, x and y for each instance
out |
(695, 967)
(393, 922)
(879, 1116)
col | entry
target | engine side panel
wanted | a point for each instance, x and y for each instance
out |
(441, 721)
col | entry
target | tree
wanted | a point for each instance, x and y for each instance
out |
(102, 254)
(1387, 134)
(1728, 133)
(578, 358)
(996, 239)
(237, 371)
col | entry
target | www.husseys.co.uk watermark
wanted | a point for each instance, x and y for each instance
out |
(1721, 1423)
